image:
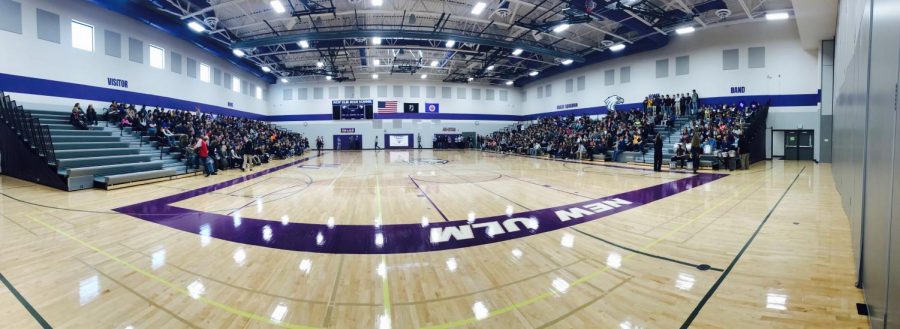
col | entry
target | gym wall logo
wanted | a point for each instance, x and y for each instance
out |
(612, 101)
(320, 236)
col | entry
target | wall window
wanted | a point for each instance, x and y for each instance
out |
(157, 57)
(235, 84)
(662, 68)
(258, 92)
(609, 77)
(579, 82)
(82, 36)
(288, 94)
(204, 73)
(570, 85)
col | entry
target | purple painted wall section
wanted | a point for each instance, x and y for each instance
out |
(391, 239)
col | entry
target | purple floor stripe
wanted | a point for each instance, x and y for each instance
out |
(396, 238)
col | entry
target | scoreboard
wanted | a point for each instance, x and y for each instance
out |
(351, 109)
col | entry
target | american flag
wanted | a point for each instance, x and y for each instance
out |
(387, 107)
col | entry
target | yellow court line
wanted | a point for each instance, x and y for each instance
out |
(172, 285)
(580, 280)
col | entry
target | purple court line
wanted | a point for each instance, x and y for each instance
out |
(429, 198)
(394, 238)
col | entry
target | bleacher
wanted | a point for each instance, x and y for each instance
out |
(104, 155)
(671, 136)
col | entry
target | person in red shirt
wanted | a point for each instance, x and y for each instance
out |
(202, 148)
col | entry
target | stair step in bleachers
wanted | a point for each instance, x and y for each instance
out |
(87, 145)
(110, 180)
(85, 153)
(84, 139)
(55, 132)
(102, 160)
(116, 169)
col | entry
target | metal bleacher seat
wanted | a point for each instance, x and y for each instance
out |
(104, 155)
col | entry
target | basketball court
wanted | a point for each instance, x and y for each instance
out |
(435, 239)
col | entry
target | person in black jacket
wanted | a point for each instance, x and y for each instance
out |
(248, 151)
(657, 153)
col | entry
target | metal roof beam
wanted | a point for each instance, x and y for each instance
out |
(406, 34)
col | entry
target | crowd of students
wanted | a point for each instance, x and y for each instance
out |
(571, 137)
(713, 129)
(213, 142)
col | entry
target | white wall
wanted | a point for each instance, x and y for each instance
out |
(61, 62)
(789, 69)
(369, 129)
(451, 104)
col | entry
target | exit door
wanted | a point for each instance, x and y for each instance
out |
(798, 144)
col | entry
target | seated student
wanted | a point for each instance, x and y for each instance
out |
(680, 156)
(91, 115)
(77, 117)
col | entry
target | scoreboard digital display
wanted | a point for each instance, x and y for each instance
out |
(351, 109)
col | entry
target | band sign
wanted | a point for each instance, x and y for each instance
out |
(449, 129)
(117, 82)
(567, 106)
(738, 90)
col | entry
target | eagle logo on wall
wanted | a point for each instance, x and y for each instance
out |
(612, 101)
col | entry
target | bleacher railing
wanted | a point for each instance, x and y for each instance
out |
(29, 129)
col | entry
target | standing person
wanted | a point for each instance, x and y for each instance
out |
(320, 143)
(376, 143)
(695, 151)
(657, 153)
(202, 148)
(247, 152)
(694, 99)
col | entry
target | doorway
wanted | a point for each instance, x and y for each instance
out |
(798, 144)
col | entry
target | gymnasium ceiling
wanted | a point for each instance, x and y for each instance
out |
(414, 34)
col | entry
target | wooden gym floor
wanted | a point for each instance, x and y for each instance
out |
(434, 239)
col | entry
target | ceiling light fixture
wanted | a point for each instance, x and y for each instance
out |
(303, 44)
(479, 7)
(376, 40)
(450, 43)
(509, 83)
(490, 68)
(376, 62)
(533, 73)
(777, 16)
(424, 76)
(277, 6)
(328, 77)
(283, 80)
(566, 61)
(266, 69)
(517, 52)
(377, 3)
(320, 64)
(375, 76)
(434, 63)
(617, 47)
(196, 27)
(238, 53)
(685, 30)
(470, 79)
(561, 27)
